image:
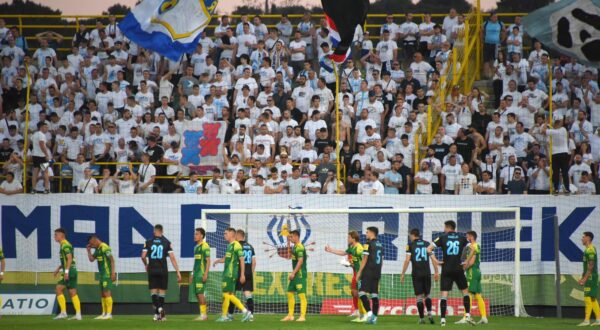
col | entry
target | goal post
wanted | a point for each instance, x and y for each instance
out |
(499, 230)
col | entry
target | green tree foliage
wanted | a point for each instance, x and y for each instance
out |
(117, 9)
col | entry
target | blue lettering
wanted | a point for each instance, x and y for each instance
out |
(130, 219)
(493, 234)
(189, 214)
(566, 228)
(14, 220)
(386, 237)
(97, 214)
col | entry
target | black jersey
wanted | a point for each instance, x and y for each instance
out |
(374, 252)
(248, 251)
(157, 248)
(419, 258)
(452, 245)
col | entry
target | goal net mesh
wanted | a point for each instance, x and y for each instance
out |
(328, 286)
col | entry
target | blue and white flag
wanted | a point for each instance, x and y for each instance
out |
(571, 27)
(169, 27)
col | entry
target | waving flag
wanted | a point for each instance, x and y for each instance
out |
(343, 18)
(571, 27)
(169, 27)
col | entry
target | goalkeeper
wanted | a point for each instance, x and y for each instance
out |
(471, 266)
(354, 253)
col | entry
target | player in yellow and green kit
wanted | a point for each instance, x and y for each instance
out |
(234, 267)
(69, 276)
(297, 278)
(106, 273)
(354, 253)
(199, 274)
(2, 268)
(471, 266)
(589, 280)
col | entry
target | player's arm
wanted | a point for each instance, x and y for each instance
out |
(405, 265)
(144, 257)
(436, 263)
(253, 264)
(242, 269)
(363, 263)
(2, 268)
(113, 267)
(68, 265)
(335, 251)
(297, 269)
(218, 261)
(89, 253)
(470, 260)
(205, 275)
(175, 265)
(588, 272)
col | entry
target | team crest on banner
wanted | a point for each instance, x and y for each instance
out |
(169, 27)
(279, 229)
(202, 145)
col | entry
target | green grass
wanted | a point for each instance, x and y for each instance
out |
(269, 322)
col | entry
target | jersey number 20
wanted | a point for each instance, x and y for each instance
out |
(157, 252)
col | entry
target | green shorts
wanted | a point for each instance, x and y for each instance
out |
(197, 285)
(474, 280)
(228, 284)
(590, 288)
(298, 284)
(72, 282)
(105, 283)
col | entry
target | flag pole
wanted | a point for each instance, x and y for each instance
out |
(26, 131)
(337, 126)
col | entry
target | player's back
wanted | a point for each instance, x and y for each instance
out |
(374, 251)
(158, 248)
(452, 245)
(419, 257)
(248, 251)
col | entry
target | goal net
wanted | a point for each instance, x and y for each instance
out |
(328, 287)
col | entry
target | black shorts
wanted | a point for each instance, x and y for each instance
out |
(247, 286)
(38, 161)
(158, 280)
(489, 52)
(422, 285)
(368, 285)
(449, 278)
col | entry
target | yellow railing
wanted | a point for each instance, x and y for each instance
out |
(70, 24)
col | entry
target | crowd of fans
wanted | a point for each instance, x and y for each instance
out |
(112, 113)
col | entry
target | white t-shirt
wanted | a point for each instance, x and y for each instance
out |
(296, 57)
(11, 186)
(87, 186)
(466, 184)
(451, 174)
(313, 185)
(424, 188)
(35, 140)
(560, 140)
(370, 188)
(170, 155)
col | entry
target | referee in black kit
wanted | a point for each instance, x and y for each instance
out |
(154, 257)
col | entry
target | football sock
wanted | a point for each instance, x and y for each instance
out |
(225, 305)
(443, 307)
(109, 305)
(236, 302)
(467, 303)
(361, 308)
(365, 302)
(76, 304)
(250, 303)
(596, 309)
(303, 304)
(481, 305)
(420, 307)
(428, 305)
(588, 307)
(62, 303)
(375, 302)
(291, 303)
(103, 305)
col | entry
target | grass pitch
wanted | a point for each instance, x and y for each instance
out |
(270, 322)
